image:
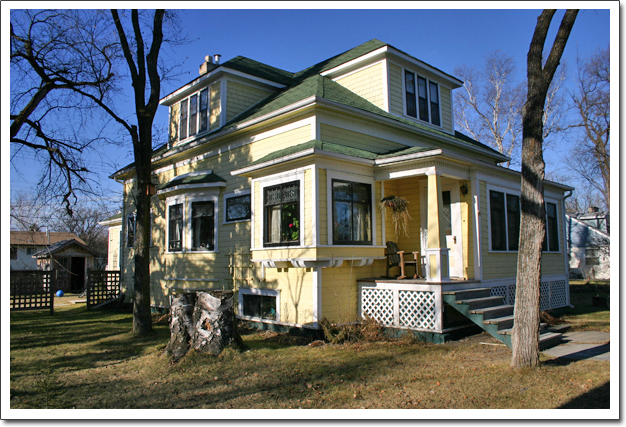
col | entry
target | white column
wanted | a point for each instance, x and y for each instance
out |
(437, 264)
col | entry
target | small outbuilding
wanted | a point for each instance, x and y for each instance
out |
(71, 259)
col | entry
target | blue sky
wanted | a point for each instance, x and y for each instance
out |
(297, 38)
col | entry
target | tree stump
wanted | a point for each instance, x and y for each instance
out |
(181, 325)
(214, 322)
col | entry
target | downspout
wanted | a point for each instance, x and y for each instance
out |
(566, 252)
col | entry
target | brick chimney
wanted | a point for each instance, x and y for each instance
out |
(210, 62)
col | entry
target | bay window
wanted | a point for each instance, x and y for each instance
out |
(175, 227)
(202, 226)
(282, 214)
(352, 212)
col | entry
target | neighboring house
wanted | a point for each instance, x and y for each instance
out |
(71, 259)
(270, 183)
(24, 244)
(114, 225)
(588, 243)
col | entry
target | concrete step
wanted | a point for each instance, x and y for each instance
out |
(492, 312)
(485, 302)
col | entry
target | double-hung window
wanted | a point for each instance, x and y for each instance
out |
(422, 98)
(434, 104)
(130, 231)
(175, 228)
(282, 214)
(202, 226)
(551, 239)
(352, 213)
(194, 114)
(504, 210)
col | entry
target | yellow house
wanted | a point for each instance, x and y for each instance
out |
(270, 184)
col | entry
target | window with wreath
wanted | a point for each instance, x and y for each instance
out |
(282, 214)
(202, 226)
(352, 212)
(175, 228)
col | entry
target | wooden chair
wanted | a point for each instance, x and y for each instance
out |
(395, 258)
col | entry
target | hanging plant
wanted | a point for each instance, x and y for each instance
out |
(399, 207)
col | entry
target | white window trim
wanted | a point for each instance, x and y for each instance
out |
(508, 190)
(404, 103)
(237, 193)
(208, 124)
(263, 292)
(210, 195)
(282, 178)
(330, 176)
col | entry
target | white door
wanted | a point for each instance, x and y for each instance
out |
(452, 227)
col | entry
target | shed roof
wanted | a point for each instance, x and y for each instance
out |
(58, 246)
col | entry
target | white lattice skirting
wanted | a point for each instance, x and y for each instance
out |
(413, 309)
(553, 294)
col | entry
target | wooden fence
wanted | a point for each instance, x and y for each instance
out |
(32, 290)
(102, 286)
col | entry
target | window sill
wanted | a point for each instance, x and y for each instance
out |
(235, 222)
(191, 252)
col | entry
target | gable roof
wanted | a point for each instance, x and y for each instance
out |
(40, 238)
(58, 246)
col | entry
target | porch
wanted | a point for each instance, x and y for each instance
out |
(445, 307)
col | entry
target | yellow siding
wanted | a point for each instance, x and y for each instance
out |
(114, 248)
(445, 96)
(215, 105)
(323, 206)
(307, 232)
(353, 139)
(240, 97)
(340, 291)
(367, 83)
(296, 293)
(174, 121)
(396, 97)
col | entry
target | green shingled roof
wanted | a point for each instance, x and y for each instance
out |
(336, 148)
(193, 178)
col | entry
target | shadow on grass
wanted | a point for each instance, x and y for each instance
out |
(597, 398)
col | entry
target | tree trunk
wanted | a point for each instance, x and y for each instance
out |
(525, 339)
(204, 321)
(181, 325)
(215, 326)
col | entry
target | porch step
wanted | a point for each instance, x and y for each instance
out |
(493, 316)
(483, 302)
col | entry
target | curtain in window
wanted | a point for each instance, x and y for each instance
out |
(202, 225)
(176, 227)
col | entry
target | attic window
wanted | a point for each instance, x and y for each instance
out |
(421, 98)
(193, 117)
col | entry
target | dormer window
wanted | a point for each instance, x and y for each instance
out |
(194, 114)
(421, 98)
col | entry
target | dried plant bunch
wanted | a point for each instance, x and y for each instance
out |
(399, 208)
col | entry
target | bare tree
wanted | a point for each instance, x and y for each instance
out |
(490, 107)
(52, 54)
(591, 156)
(532, 231)
(84, 222)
